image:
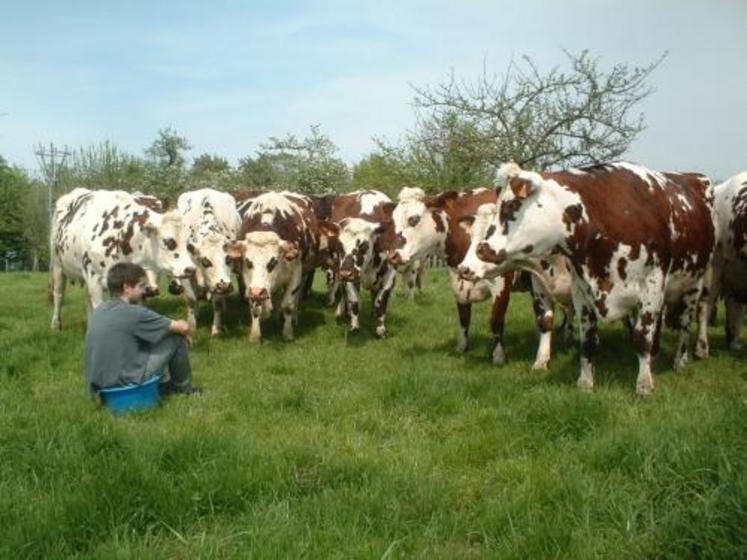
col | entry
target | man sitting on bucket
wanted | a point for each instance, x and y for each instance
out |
(128, 343)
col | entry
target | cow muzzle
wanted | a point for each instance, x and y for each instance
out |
(348, 275)
(223, 288)
(176, 288)
(257, 295)
(466, 273)
(396, 260)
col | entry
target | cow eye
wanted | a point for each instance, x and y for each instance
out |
(249, 264)
(205, 262)
(413, 220)
(272, 264)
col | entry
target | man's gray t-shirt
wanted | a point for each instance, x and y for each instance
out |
(118, 342)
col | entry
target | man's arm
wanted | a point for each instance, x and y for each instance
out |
(179, 327)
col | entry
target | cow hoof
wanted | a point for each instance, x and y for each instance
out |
(215, 331)
(461, 347)
(540, 365)
(585, 385)
(56, 326)
(680, 363)
(499, 357)
(254, 339)
(381, 332)
(644, 389)
(701, 352)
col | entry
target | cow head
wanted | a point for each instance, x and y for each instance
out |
(526, 223)
(419, 224)
(168, 241)
(263, 257)
(212, 261)
(352, 241)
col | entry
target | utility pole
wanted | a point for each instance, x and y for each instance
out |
(47, 158)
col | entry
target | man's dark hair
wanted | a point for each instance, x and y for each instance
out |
(121, 275)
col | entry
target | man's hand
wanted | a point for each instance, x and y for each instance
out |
(180, 327)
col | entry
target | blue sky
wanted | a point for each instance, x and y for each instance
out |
(228, 75)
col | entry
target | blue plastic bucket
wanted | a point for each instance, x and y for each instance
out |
(132, 397)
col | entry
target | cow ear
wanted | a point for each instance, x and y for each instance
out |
(328, 229)
(465, 222)
(289, 250)
(234, 250)
(522, 188)
(150, 229)
(444, 200)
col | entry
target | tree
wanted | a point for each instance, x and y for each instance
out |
(307, 165)
(12, 183)
(211, 171)
(557, 119)
(167, 176)
(104, 166)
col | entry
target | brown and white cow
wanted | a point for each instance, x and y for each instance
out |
(93, 230)
(550, 284)
(358, 253)
(437, 225)
(212, 221)
(727, 276)
(636, 242)
(278, 242)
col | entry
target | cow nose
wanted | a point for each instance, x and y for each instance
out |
(465, 273)
(223, 287)
(258, 294)
(396, 258)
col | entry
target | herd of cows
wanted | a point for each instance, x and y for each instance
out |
(605, 242)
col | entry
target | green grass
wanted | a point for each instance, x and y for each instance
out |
(343, 446)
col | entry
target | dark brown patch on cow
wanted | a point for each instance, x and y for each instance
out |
(487, 254)
(439, 222)
(621, 264)
(528, 249)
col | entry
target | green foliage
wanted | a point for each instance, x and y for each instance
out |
(308, 165)
(211, 171)
(12, 193)
(344, 446)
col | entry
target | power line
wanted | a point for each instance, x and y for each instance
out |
(47, 158)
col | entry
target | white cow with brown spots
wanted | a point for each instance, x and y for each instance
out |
(93, 230)
(212, 222)
(278, 243)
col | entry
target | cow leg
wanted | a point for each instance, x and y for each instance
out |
(219, 305)
(381, 301)
(588, 335)
(333, 287)
(465, 313)
(647, 323)
(95, 295)
(544, 314)
(733, 322)
(59, 280)
(682, 320)
(190, 297)
(255, 332)
(289, 304)
(706, 306)
(354, 307)
(498, 318)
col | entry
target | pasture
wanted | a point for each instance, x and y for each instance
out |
(339, 445)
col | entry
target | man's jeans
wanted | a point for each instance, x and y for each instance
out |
(171, 352)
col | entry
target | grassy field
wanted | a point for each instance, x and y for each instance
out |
(343, 446)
